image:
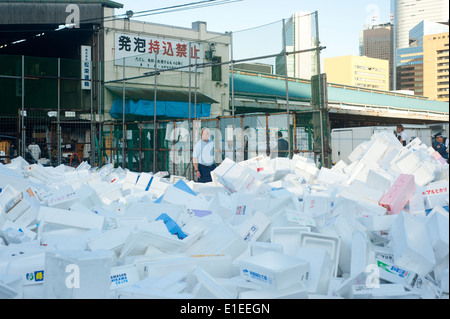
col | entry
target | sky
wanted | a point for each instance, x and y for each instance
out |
(339, 21)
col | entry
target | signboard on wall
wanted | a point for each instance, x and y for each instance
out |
(86, 67)
(139, 51)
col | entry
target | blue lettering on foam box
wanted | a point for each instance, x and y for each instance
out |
(172, 227)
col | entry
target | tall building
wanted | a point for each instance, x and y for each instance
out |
(359, 71)
(436, 66)
(408, 13)
(299, 36)
(377, 43)
(410, 70)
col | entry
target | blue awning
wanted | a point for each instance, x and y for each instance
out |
(163, 108)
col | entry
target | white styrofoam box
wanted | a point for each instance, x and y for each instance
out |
(234, 176)
(362, 253)
(164, 266)
(412, 252)
(133, 292)
(362, 206)
(122, 276)
(436, 194)
(416, 204)
(331, 244)
(328, 176)
(113, 239)
(30, 267)
(212, 285)
(9, 197)
(261, 247)
(444, 281)
(130, 180)
(62, 217)
(288, 237)
(14, 234)
(377, 223)
(344, 288)
(321, 268)
(361, 190)
(216, 265)
(221, 239)
(423, 175)
(409, 279)
(339, 166)
(292, 292)
(365, 292)
(7, 292)
(438, 230)
(80, 208)
(62, 198)
(253, 227)
(74, 239)
(176, 196)
(13, 282)
(143, 182)
(300, 218)
(88, 196)
(17, 210)
(155, 234)
(379, 179)
(308, 170)
(357, 152)
(78, 274)
(272, 269)
(317, 205)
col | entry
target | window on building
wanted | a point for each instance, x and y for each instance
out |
(216, 70)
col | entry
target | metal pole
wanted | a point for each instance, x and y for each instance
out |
(99, 101)
(58, 134)
(92, 118)
(23, 107)
(287, 89)
(154, 115)
(321, 102)
(123, 115)
(232, 90)
(190, 129)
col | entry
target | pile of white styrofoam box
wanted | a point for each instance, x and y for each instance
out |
(263, 228)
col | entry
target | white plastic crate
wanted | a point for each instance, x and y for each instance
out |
(272, 269)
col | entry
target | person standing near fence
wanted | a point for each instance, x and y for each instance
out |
(34, 150)
(203, 157)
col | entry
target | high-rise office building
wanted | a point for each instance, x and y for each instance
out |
(436, 66)
(411, 69)
(408, 13)
(299, 36)
(359, 71)
(377, 43)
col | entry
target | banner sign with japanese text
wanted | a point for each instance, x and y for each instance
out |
(86, 67)
(139, 51)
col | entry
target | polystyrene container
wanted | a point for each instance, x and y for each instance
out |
(123, 276)
(289, 237)
(273, 269)
(331, 244)
(78, 274)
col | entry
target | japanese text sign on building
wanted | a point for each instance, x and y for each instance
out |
(86, 67)
(140, 51)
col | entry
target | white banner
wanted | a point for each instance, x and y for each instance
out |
(86, 67)
(139, 52)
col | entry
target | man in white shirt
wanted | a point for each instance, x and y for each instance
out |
(401, 135)
(203, 157)
(34, 150)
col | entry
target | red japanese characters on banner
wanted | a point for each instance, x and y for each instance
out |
(140, 51)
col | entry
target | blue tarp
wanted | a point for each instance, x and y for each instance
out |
(163, 108)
